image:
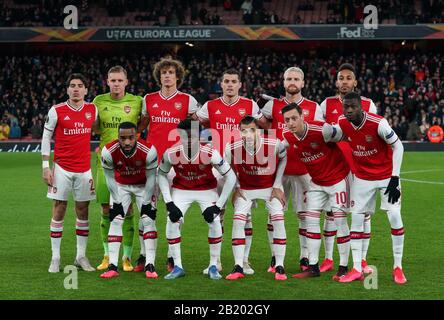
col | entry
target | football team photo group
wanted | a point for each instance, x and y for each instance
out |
(219, 154)
(330, 159)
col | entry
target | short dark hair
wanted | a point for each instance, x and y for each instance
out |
(347, 66)
(291, 106)
(352, 95)
(232, 71)
(248, 120)
(77, 76)
(187, 124)
(127, 125)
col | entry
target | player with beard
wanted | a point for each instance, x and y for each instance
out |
(332, 108)
(296, 178)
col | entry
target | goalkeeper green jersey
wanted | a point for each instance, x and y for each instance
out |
(113, 112)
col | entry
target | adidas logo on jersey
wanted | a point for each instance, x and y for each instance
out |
(67, 118)
(334, 111)
(218, 112)
(155, 105)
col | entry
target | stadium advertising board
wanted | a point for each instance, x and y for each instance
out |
(30, 146)
(224, 33)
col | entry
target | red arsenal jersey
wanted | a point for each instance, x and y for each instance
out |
(272, 111)
(195, 173)
(224, 119)
(255, 170)
(370, 144)
(72, 135)
(130, 170)
(165, 113)
(332, 109)
(324, 160)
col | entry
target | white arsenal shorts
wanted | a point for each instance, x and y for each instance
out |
(242, 206)
(183, 199)
(127, 191)
(81, 184)
(335, 197)
(363, 196)
(296, 187)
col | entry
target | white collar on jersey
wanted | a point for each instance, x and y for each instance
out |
(362, 123)
(305, 132)
(74, 108)
(229, 104)
(130, 155)
(169, 97)
(297, 102)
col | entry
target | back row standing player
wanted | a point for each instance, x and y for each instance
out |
(71, 124)
(223, 116)
(161, 113)
(296, 178)
(114, 108)
(332, 108)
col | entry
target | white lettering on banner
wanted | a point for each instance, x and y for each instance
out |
(195, 33)
(31, 146)
(354, 33)
(23, 148)
(129, 34)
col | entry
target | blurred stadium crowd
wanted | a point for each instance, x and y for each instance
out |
(21, 13)
(407, 88)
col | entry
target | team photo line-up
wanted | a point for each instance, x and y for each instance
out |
(331, 158)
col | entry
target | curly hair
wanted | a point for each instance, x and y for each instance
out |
(167, 63)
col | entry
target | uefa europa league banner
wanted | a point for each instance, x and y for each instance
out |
(224, 33)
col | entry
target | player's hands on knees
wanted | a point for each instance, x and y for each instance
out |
(237, 194)
(210, 212)
(393, 190)
(148, 210)
(173, 212)
(47, 176)
(278, 194)
(115, 210)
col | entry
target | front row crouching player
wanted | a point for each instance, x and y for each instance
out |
(377, 155)
(194, 182)
(259, 163)
(71, 122)
(315, 145)
(130, 169)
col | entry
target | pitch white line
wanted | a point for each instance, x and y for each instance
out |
(421, 181)
(419, 171)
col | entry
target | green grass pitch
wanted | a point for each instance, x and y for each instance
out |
(25, 247)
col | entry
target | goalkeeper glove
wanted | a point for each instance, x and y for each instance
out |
(116, 209)
(174, 212)
(148, 210)
(209, 213)
(393, 190)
